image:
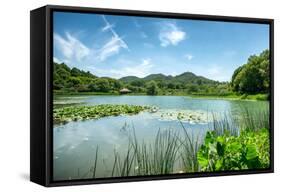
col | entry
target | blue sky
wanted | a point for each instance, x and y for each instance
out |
(117, 46)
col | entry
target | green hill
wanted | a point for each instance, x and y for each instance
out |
(250, 78)
(74, 80)
(129, 79)
(186, 77)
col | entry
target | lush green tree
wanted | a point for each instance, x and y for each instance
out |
(75, 72)
(171, 85)
(117, 84)
(67, 79)
(152, 88)
(137, 83)
(199, 81)
(102, 85)
(192, 88)
(253, 77)
(73, 81)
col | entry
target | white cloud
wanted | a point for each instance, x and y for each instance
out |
(73, 51)
(170, 34)
(56, 60)
(146, 62)
(107, 27)
(140, 70)
(70, 47)
(188, 56)
(112, 46)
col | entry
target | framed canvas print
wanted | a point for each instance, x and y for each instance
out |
(120, 95)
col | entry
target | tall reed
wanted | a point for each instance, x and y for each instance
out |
(157, 157)
(190, 145)
(254, 120)
(171, 151)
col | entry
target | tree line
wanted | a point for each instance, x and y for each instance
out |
(250, 78)
(254, 76)
(74, 80)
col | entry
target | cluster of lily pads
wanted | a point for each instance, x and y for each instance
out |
(190, 116)
(76, 113)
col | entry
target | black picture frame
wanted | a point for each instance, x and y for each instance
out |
(41, 54)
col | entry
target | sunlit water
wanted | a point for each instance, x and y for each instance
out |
(75, 142)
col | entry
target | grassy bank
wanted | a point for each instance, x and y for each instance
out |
(257, 97)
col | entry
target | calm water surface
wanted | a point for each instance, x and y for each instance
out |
(75, 142)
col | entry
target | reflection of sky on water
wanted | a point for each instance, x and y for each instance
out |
(75, 142)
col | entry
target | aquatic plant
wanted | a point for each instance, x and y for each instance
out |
(254, 120)
(249, 150)
(228, 145)
(190, 116)
(75, 113)
(188, 153)
(123, 166)
(237, 143)
(158, 157)
(227, 123)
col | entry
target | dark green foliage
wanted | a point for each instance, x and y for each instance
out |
(184, 84)
(152, 88)
(249, 150)
(253, 77)
(129, 79)
(67, 80)
(237, 143)
(75, 80)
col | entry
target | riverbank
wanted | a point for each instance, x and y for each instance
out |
(255, 97)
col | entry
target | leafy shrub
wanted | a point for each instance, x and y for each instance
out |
(253, 77)
(249, 150)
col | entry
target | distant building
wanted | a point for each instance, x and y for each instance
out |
(124, 91)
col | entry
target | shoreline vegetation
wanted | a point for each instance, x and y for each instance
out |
(254, 97)
(229, 145)
(249, 81)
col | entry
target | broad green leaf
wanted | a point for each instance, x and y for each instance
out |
(218, 165)
(220, 149)
(235, 146)
(202, 159)
(251, 152)
(208, 138)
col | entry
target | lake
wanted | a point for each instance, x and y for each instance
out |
(75, 143)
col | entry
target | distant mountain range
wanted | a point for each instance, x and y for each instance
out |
(66, 79)
(187, 77)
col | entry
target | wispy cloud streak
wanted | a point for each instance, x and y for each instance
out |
(171, 34)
